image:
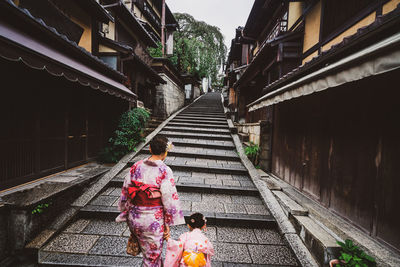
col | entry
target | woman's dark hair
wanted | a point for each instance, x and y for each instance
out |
(197, 220)
(158, 145)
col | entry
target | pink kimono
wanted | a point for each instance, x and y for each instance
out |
(147, 222)
(187, 248)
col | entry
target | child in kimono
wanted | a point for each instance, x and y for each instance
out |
(193, 249)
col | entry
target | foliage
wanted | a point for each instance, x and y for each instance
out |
(354, 256)
(157, 51)
(40, 208)
(127, 135)
(252, 151)
(199, 48)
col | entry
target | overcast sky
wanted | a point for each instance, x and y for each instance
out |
(225, 14)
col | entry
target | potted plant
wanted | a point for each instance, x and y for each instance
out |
(352, 255)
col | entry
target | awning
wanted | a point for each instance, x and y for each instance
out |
(378, 58)
(16, 45)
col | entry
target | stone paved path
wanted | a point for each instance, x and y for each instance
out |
(210, 179)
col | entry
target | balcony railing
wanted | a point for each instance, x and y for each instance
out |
(279, 28)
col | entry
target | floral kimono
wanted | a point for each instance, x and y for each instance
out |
(193, 249)
(147, 221)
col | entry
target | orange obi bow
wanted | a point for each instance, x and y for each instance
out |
(152, 191)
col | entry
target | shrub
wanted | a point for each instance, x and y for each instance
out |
(127, 135)
(252, 152)
(354, 256)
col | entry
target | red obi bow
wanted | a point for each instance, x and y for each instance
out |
(152, 191)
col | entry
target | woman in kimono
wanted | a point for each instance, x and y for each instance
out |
(192, 249)
(150, 203)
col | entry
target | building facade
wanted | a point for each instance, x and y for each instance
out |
(70, 68)
(326, 82)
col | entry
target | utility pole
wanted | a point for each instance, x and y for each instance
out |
(163, 28)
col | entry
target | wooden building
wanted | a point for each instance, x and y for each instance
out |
(124, 42)
(332, 101)
(60, 103)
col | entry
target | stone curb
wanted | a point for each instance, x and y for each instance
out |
(285, 226)
(44, 237)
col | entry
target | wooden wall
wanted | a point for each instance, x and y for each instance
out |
(49, 124)
(341, 147)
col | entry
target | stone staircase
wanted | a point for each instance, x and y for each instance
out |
(210, 179)
(152, 124)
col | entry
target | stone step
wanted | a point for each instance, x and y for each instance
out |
(320, 243)
(213, 218)
(221, 170)
(206, 115)
(290, 207)
(188, 124)
(102, 242)
(197, 136)
(244, 189)
(198, 122)
(187, 142)
(196, 130)
(202, 166)
(211, 154)
(200, 118)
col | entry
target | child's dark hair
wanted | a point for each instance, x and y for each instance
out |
(196, 220)
(158, 145)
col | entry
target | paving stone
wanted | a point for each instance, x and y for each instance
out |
(204, 175)
(246, 199)
(224, 176)
(221, 198)
(77, 226)
(240, 177)
(256, 209)
(213, 181)
(103, 200)
(186, 205)
(269, 254)
(116, 192)
(269, 237)
(107, 191)
(228, 252)
(182, 173)
(207, 207)
(105, 227)
(91, 260)
(188, 196)
(110, 245)
(231, 183)
(191, 180)
(236, 235)
(115, 204)
(246, 183)
(235, 208)
(72, 243)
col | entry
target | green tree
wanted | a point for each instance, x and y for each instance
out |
(199, 48)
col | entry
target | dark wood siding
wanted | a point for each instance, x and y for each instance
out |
(37, 114)
(341, 147)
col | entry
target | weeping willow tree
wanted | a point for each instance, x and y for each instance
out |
(199, 48)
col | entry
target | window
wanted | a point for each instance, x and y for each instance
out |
(337, 13)
(110, 61)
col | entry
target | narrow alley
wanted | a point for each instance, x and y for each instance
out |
(210, 179)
